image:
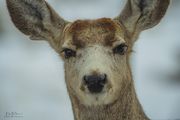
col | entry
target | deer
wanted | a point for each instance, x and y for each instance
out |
(96, 54)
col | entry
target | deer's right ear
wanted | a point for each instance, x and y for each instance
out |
(36, 19)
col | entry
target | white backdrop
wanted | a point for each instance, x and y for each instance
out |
(32, 77)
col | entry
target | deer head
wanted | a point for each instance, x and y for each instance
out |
(95, 52)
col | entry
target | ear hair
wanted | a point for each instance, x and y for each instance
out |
(36, 19)
(139, 15)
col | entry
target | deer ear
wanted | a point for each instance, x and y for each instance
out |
(139, 15)
(36, 19)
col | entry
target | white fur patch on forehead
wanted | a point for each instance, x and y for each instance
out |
(94, 58)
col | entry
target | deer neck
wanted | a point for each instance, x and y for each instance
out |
(127, 107)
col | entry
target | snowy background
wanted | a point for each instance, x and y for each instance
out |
(32, 77)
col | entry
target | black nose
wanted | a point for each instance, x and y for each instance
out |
(95, 83)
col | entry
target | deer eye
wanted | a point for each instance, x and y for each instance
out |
(69, 53)
(120, 49)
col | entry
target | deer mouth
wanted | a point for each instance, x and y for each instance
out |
(96, 89)
(96, 95)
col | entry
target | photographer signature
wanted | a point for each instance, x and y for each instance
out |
(10, 115)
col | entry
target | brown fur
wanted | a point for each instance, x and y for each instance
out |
(93, 41)
(99, 31)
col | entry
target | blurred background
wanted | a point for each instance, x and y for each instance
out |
(32, 76)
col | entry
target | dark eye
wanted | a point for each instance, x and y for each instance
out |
(69, 53)
(120, 49)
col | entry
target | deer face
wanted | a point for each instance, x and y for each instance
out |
(95, 52)
(95, 55)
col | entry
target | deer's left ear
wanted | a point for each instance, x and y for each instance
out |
(139, 15)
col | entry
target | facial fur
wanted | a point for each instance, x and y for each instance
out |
(93, 42)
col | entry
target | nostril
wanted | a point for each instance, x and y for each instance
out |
(86, 79)
(103, 78)
(95, 79)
